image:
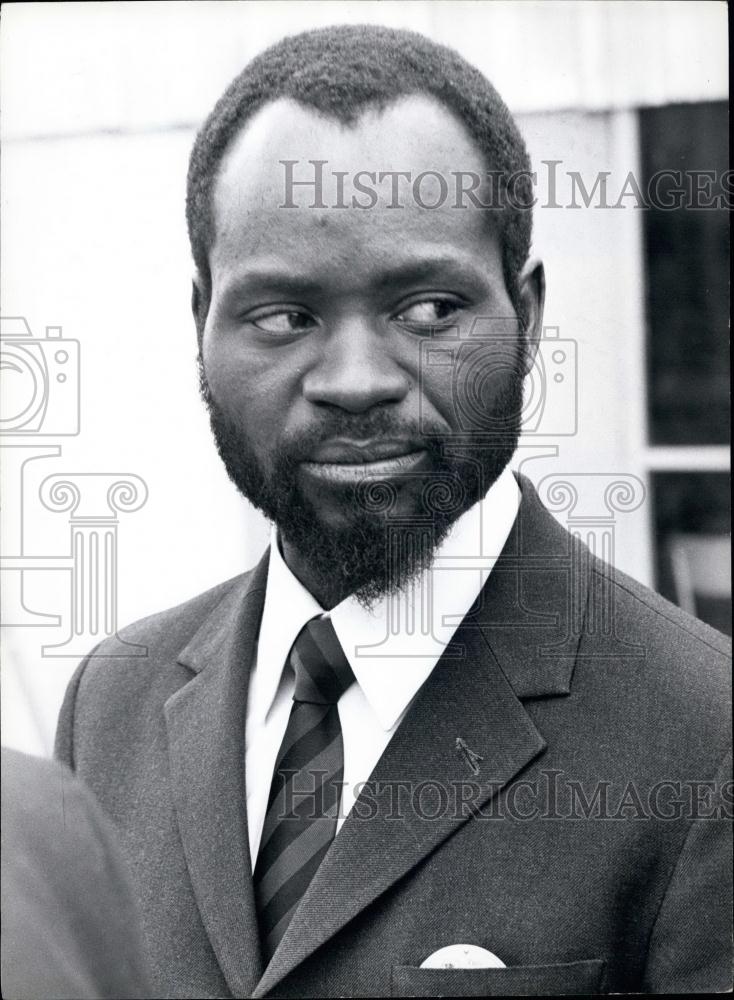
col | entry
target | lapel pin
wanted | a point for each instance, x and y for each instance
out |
(470, 756)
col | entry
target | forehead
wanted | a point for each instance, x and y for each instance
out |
(415, 135)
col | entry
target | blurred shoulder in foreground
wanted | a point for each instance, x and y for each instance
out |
(69, 926)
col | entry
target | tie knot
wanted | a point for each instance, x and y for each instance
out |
(322, 670)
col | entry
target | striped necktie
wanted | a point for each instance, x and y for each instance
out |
(300, 822)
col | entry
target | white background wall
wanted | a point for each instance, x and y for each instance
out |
(99, 106)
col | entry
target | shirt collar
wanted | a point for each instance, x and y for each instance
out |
(287, 608)
(393, 647)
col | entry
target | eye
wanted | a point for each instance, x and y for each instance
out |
(283, 322)
(433, 312)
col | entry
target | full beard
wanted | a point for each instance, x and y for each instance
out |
(389, 530)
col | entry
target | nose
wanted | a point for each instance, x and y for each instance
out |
(356, 370)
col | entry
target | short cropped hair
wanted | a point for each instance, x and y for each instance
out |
(340, 72)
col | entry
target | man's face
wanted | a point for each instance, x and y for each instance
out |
(362, 366)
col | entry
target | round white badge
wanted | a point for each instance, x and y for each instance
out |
(462, 956)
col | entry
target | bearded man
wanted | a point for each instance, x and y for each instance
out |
(385, 761)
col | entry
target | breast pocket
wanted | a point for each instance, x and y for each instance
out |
(572, 978)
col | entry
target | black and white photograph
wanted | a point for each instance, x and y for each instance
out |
(365, 475)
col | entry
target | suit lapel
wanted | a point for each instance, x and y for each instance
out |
(518, 642)
(206, 728)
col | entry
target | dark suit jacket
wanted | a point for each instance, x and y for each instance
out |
(565, 672)
(69, 925)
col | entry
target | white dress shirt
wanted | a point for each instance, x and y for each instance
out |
(392, 648)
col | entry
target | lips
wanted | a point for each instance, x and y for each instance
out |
(347, 451)
(342, 460)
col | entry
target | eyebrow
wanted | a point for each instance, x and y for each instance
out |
(274, 279)
(276, 276)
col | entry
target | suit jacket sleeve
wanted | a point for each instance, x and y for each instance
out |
(691, 943)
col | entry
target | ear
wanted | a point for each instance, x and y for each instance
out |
(532, 298)
(200, 298)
